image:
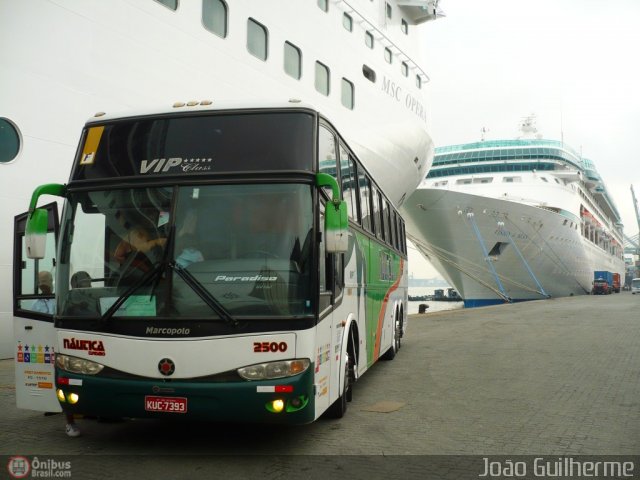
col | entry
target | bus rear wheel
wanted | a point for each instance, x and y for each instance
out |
(397, 338)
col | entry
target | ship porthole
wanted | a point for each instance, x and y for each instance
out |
(10, 141)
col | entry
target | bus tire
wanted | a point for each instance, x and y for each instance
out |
(397, 338)
(339, 407)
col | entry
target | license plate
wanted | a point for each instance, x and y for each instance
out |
(165, 404)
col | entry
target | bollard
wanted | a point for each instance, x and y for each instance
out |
(422, 308)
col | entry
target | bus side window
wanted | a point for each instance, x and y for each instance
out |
(331, 270)
(327, 156)
(365, 200)
(377, 211)
(325, 293)
(349, 190)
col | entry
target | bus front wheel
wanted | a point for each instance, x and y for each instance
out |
(339, 407)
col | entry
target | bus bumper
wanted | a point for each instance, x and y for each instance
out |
(285, 401)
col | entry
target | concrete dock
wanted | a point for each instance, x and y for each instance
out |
(554, 377)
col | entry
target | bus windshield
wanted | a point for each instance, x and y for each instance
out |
(176, 251)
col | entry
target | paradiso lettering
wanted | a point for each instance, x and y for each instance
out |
(187, 165)
(394, 90)
(94, 347)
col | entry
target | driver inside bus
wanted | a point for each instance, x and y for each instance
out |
(138, 250)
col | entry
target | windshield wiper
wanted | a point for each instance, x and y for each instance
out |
(204, 294)
(150, 275)
(154, 274)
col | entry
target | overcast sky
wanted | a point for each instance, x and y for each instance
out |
(575, 64)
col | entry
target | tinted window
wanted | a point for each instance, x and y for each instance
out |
(257, 39)
(347, 22)
(365, 200)
(349, 185)
(196, 145)
(172, 4)
(214, 17)
(377, 211)
(292, 60)
(347, 97)
(327, 158)
(368, 39)
(388, 56)
(322, 78)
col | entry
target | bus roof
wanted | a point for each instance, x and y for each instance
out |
(201, 106)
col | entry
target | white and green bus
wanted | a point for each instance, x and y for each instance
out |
(211, 263)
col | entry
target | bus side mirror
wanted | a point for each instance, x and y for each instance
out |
(336, 227)
(336, 220)
(35, 235)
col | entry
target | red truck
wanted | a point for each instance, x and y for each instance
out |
(616, 282)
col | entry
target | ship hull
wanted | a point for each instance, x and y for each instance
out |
(494, 251)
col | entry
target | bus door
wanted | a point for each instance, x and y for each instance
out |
(33, 309)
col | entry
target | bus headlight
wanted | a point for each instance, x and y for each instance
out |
(271, 370)
(78, 365)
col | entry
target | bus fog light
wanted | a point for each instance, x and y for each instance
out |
(275, 406)
(297, 403)
(60, 394)
(73, 398)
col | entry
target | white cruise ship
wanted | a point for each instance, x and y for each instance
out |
(61, 61)
(514, 220)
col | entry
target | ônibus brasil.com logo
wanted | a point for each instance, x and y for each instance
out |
(21, 467)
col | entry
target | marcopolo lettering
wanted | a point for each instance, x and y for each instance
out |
(94, 347)
(167, 331)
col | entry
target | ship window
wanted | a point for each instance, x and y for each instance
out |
(497, 249)
(388, 56)
(347, 22)
(323, 5)
(405, 69)
(369, 74)
(389, 11)
(292, 60)
(463, 181)
(257, 39)
(322, 78)
(172, 4)
(9, 141)
(214, 17)
(405, 27)
(418, 81)
(544, 179)
(368, 39)
(347, 94)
